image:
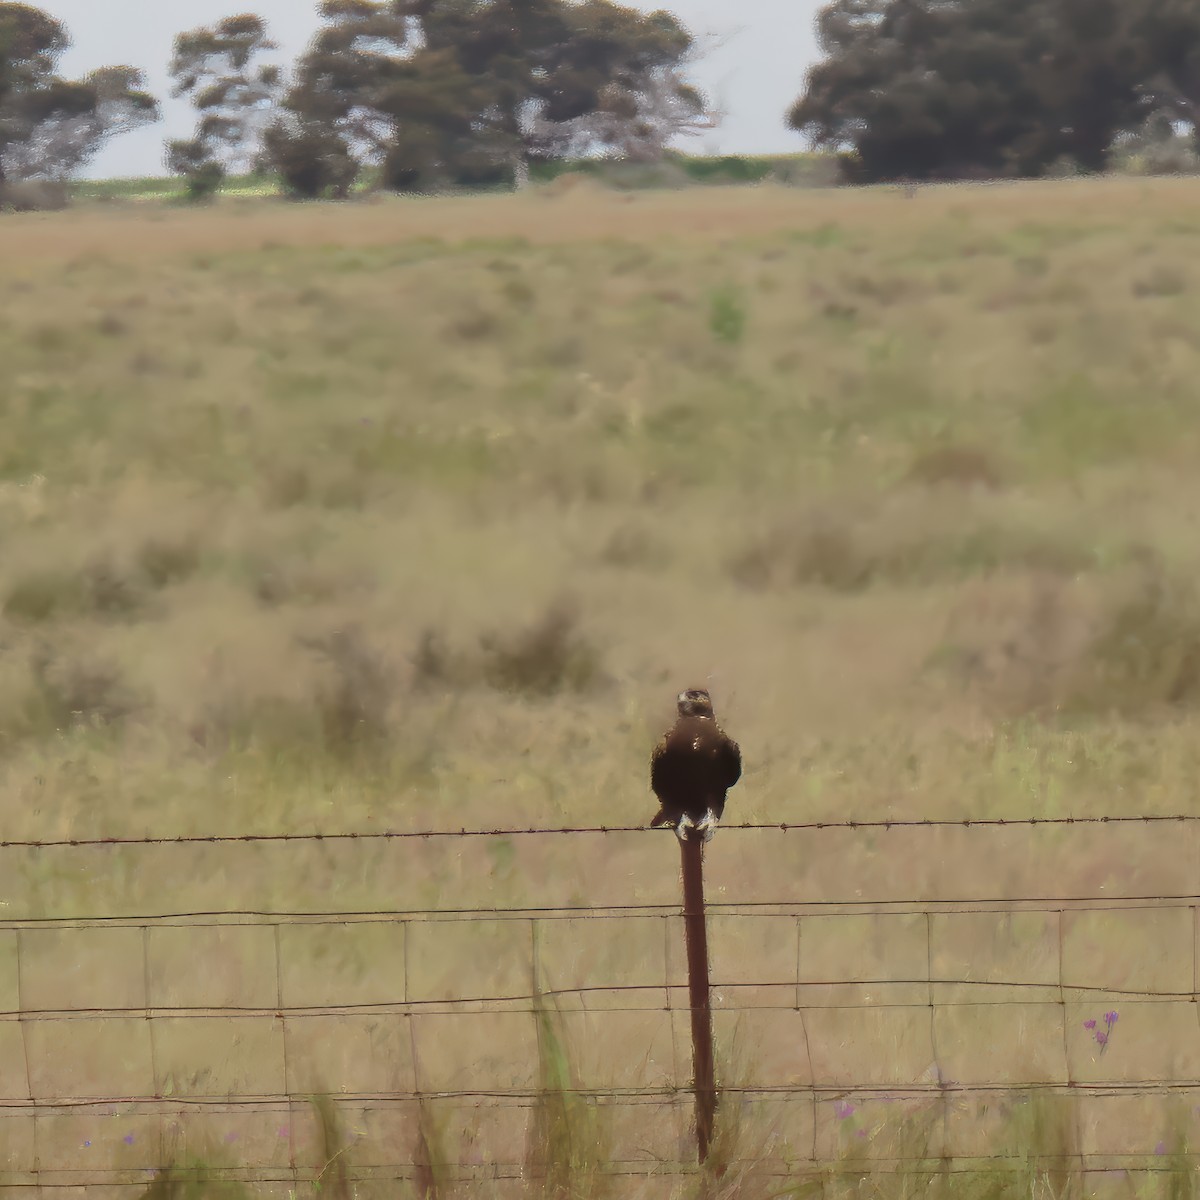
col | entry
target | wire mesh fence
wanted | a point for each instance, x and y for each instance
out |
(133, 1040)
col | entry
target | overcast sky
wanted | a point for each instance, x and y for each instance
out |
(753, 77)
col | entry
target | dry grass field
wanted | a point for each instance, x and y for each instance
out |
(417, 514)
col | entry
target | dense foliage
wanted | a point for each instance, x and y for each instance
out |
(436, 92)
(955, 88)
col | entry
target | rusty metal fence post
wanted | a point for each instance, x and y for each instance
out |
(696, 932)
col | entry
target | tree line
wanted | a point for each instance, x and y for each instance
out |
(427, 94)
(423, 94)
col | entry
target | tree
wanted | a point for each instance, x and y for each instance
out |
(363, 45)
(433, 92)
(626, 72)
(915, 90)
(928, 88)
(332, 120)
(49, 126)
(235, 94)
(566, 78)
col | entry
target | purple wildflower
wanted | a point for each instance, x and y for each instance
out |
(87, 1143)
(1110, 1018)
(283, 1132)
(1102, 1037)
(1089, 1024)
(1161, 1148)
(230, 1138)
(843, 1110)
(128, 1139)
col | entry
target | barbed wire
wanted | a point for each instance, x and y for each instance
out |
(883, 823)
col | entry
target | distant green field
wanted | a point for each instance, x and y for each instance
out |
(791, 168)
(165, 188)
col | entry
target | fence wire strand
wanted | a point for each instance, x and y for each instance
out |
(269, 919)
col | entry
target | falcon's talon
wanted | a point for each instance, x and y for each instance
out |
(707, 825)
(681, 829)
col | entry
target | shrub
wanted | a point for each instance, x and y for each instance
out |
(633, 545)
(624, 175)
(815, 171)
(311, 159)
(202, 176)
(966, 466)
(34, 195)
(727, 315)
(1157, 149)
(1172, 157)
(343, 708)
(1147, 650)
(68, 692)
(1038, 645)
(546, 657)
(104, 586)
(109, 590)
(1014, 642)
(474, 323)
(165, 561)
(1064, 167)
(285, 485)
(205, 182)
(43, 595)
(433, 662)
(821, 549)
(354, 700)
(845, 551)
(1161, 280)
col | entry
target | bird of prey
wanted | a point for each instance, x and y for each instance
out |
(692, 768)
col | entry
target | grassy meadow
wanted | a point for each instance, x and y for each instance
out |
(418, 513)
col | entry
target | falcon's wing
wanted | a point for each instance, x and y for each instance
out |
(731, 762)
(657, 765)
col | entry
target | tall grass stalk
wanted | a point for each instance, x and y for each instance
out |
(568, 1146)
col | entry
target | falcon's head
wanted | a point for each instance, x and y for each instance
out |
(695, 702)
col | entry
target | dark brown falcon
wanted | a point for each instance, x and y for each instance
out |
(693, 767)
